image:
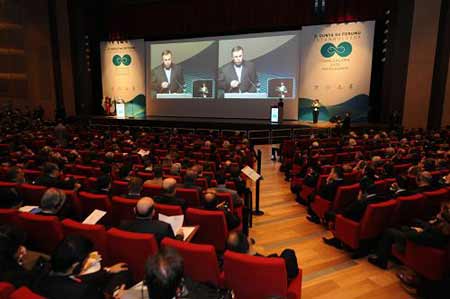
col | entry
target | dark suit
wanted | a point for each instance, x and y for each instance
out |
(355, 211)
(150, 226)
(176, 79)
(50, 182)
(227, 74)
(64, 287)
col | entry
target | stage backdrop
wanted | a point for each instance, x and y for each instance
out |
(123, 74)
(336, 65)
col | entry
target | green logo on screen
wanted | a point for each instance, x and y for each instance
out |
(118, 60)
(344, 49)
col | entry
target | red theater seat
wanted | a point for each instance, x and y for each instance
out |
(191, 196)
(407, 208)
(122, 209)
(32, 194)
(5, 290)
(433, 200)
(119, 187)
(24, 293)
(43, 232)
(131, 248)
(259, 277)
(168, 210)
(213, 227)
(375, 220)
(91, 202)
(8, 216)
(344, 196)
(195, 255)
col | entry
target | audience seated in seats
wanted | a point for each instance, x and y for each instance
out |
(355, 210)
(189, 181)
(50, 178)
(158, 176)
(238, 242)
(328, 191)
(175, 169)
(211, 203)
(12, 253)
(135, 185)
(9, 197)
(71, 278)
(424, 182)
(103, 182)
(145, 222)
(399, 188)
(168, 197)
(220, 178)
(433, 233)
(54, 203)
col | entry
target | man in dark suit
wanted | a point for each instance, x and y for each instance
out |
(168, 77)
(238, 75)
(144, 222)
(50, 178)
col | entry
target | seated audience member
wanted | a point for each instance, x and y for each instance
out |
(164, 275)
(9, 197)
(157, 176)
(388, 171)
(221, 187)
(424, 182)
(12, 252)
(103, 183)
(238, 242)
(50, 178)
(328, 191)
(54, 203)
(168, 197)
(69, 279)
(399, 188)
(175, 169)
(434, 233)
(145, 221)
(135, 185)
(211, 203)
(189, 181)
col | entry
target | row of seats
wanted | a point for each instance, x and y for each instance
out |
(7, 291)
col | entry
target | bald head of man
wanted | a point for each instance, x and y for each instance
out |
(169, 185)
(145, 208)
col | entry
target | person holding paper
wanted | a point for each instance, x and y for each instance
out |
(145, 222)
(168, 77)
(211, 203)
(239, 75)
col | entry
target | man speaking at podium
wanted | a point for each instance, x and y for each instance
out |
(168, 77)
(238, 75)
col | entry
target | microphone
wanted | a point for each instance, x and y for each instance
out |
(180, 85)
(254, 85)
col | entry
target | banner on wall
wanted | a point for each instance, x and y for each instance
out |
(123, 76)
(336, 66)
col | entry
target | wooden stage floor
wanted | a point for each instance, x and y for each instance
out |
(329, 273)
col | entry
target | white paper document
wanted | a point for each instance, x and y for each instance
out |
(176, 222)
(95, 216)
(253, 175)
(27, 209)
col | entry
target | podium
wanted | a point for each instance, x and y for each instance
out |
(174, 95)
(120, 110)
(274, 114)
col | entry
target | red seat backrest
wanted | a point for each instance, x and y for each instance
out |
(191, 196)
(91, 202)
(195, 255)
(408, 208)
(345, 195)
(152, 190)
(24, 293)
(96, 233)
(131, 248)
(122, 209)
(213, 227)
(119, 187)
(168, 210)
(43, 232)
(255, 277)
(5, 290)
(32, 194)
(376, 219)
(8, 216)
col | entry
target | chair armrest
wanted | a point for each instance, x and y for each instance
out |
(295, 286)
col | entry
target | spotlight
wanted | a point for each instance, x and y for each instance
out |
(385, 41)
(387, 22)
(384, 50)
(386, 31)
(388, 12)
(383, 59)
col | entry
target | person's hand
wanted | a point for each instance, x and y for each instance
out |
(417, 229)
(119, 267)
(180, 233)
(234, 83)
(21, 253)
(119, 292)
(93, 258)
(165, 84)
